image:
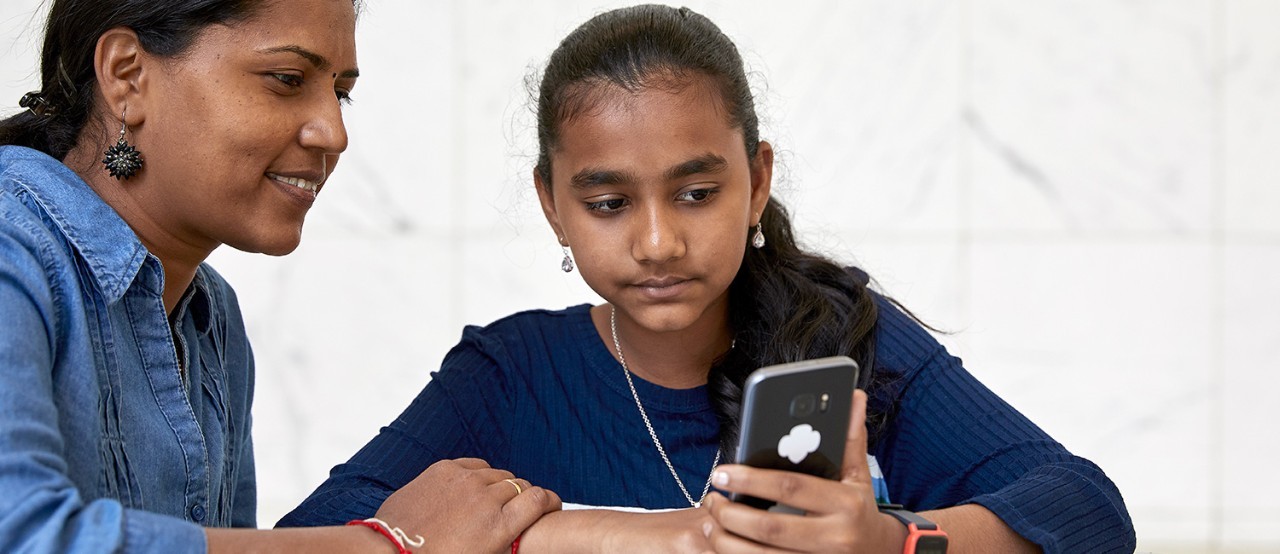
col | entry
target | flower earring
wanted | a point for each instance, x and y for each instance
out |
(122, 160)
(757, 240)
(567, 263)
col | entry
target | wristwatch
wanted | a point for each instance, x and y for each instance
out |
(923, 536)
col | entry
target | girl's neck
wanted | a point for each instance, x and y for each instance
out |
(677, 359)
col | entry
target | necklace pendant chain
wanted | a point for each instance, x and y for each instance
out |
(617, 346)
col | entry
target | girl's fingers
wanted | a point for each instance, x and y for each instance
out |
(855, 467)
(798, 490)
(759, 527)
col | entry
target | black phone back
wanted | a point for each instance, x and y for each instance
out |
(795, 417)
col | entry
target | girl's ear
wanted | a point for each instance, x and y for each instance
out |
(549, 206)
(761, 178)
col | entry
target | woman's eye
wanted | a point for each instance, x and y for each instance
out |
(607, 206)
(293, 81)
(344, 97)
(696, 195)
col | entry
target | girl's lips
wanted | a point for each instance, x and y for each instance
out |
(663, 289)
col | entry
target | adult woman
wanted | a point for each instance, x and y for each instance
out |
(163, 130)
(651, 168)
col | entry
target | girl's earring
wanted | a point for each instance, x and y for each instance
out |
(567, 263)
(758, 239)
(122, 160)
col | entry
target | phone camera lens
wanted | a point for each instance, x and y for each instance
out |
(803, 405)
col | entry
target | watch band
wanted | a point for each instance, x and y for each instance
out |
(923, 536)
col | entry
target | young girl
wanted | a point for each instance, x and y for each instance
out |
(651, 169)
(162, 130)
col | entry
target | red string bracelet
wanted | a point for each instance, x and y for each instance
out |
(385, 530)
(515, 544)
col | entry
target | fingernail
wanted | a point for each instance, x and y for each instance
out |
(706, 528)
(720, 479)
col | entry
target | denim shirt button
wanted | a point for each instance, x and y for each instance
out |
(197, 513)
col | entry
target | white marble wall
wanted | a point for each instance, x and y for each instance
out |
(1084, 192)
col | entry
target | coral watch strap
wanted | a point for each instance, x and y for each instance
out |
(923, 536)
(907, 518)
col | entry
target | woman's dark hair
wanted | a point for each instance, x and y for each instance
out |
(61, 108)
(785, 304)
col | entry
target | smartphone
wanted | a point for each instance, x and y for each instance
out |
(795, 417)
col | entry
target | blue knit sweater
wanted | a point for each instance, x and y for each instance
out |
(538, 393)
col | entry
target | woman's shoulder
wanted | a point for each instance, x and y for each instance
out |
(29, 232)
(21, 167)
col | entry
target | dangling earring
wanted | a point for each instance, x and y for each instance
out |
(122, 160)
(758, 239)
(567, 263)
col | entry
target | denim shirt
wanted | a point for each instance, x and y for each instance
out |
(107, 442)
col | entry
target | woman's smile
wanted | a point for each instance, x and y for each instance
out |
(299, 189)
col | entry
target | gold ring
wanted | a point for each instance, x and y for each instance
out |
(515, 484)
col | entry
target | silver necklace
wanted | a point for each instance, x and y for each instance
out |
(613, 329)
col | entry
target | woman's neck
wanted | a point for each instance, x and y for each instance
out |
(676, 359)
(138, 209)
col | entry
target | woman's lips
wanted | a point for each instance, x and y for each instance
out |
(302, 190)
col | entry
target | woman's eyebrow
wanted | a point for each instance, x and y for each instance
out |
(316, 60)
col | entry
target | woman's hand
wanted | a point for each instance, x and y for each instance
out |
(466, 506)
(840, 516)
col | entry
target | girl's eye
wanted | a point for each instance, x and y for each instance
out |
(607, 206)
(344, 97)
(696, 196)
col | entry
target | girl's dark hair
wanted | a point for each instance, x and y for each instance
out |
(62, 107)
(785, 304)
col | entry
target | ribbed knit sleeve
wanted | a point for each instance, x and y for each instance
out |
(949, 440)
(458, 408)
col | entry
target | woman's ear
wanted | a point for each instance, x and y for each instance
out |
(761, 178)
(119, 61)
(548, 206)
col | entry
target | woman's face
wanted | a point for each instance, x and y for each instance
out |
(240, 132)
(654, 193)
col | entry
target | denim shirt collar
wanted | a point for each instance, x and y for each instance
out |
(109, 247)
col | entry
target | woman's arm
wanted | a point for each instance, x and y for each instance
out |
(41, 509)
(455, 506)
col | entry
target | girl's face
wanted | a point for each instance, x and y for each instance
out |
(654, 193)
(240, 132)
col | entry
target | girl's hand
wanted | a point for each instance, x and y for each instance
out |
(840, 516)
(466, 506)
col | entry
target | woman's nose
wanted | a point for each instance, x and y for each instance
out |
(324, 130)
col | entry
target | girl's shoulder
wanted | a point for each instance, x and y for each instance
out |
(903, 343)
(532, 333)
(539, 322)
